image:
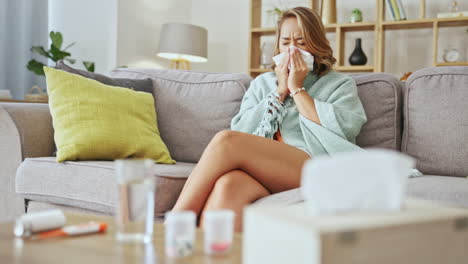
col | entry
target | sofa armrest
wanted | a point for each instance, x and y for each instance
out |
(34, 125)
(25, 131)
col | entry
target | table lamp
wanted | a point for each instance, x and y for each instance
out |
(182, 44)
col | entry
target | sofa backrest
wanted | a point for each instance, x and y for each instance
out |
(191, 106)
(381, 96)
(436, 120)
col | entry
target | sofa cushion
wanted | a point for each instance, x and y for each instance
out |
(435, 120)
(91, 184)
(282, 198)
(143, 85)
(191, 106)
(102, 122)
(380, 94)
(442, 189)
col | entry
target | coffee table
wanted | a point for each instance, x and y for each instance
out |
(101, 248)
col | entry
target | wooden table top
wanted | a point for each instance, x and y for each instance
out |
(101, 248)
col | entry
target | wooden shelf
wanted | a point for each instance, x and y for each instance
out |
(263, 31)
(452, 21)
(360, 26)
(465, 63)
(379, 27)
(364, 68)
(425, 23)
(408, 24)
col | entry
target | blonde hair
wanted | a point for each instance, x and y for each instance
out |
(313, 33)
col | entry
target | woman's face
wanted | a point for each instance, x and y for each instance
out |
(290, 34)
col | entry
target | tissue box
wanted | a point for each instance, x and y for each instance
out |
(420, 233)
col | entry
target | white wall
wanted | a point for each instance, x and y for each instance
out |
(92, 24)
(228, 24)
(139, 25)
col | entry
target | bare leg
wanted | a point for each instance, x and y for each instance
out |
(275, 165)
(234, 190)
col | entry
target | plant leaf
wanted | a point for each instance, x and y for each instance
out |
(72, 61)
(40, 50)
(57, 54)
(57, 39)
(36, 67)
(278, 11)
(89, 65)
(69, 46)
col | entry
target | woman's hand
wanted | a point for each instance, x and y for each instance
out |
(282, 74)
(298, 71)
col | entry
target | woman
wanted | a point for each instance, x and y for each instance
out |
(279, 125)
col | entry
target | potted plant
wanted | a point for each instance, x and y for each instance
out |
(54, 53)
(275, 13)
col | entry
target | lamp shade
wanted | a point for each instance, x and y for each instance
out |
(183, 41)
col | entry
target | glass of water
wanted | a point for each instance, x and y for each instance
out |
(136, 192)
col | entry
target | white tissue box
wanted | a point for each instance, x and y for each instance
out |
(420, 233)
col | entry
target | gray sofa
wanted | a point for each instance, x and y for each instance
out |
(424, 117)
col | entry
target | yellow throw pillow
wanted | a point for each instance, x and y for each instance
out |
(94, 121)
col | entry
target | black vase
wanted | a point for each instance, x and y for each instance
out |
(358, 57)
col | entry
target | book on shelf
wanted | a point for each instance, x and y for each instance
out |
(401, 9)
(391, 12)
(395, 9)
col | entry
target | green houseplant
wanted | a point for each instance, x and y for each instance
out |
(274, 14)
(55, 53)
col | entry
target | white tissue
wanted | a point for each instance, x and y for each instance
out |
(358, 181)
(308, 58)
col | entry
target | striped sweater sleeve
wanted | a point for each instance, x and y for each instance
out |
(258, 115)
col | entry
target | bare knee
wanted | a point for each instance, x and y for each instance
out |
(227, 186)
(224, 142)
(225, 137)
(237, 186)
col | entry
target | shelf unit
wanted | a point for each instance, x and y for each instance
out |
(23, 101)
(379, 27)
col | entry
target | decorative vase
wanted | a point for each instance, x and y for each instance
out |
(358, 57)
(328, 11)
(267, 50)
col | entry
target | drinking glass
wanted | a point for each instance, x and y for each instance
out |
(136, 191)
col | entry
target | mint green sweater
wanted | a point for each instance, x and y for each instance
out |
(338, 106)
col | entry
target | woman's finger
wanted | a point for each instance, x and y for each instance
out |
(284, 59)
(300, 63)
